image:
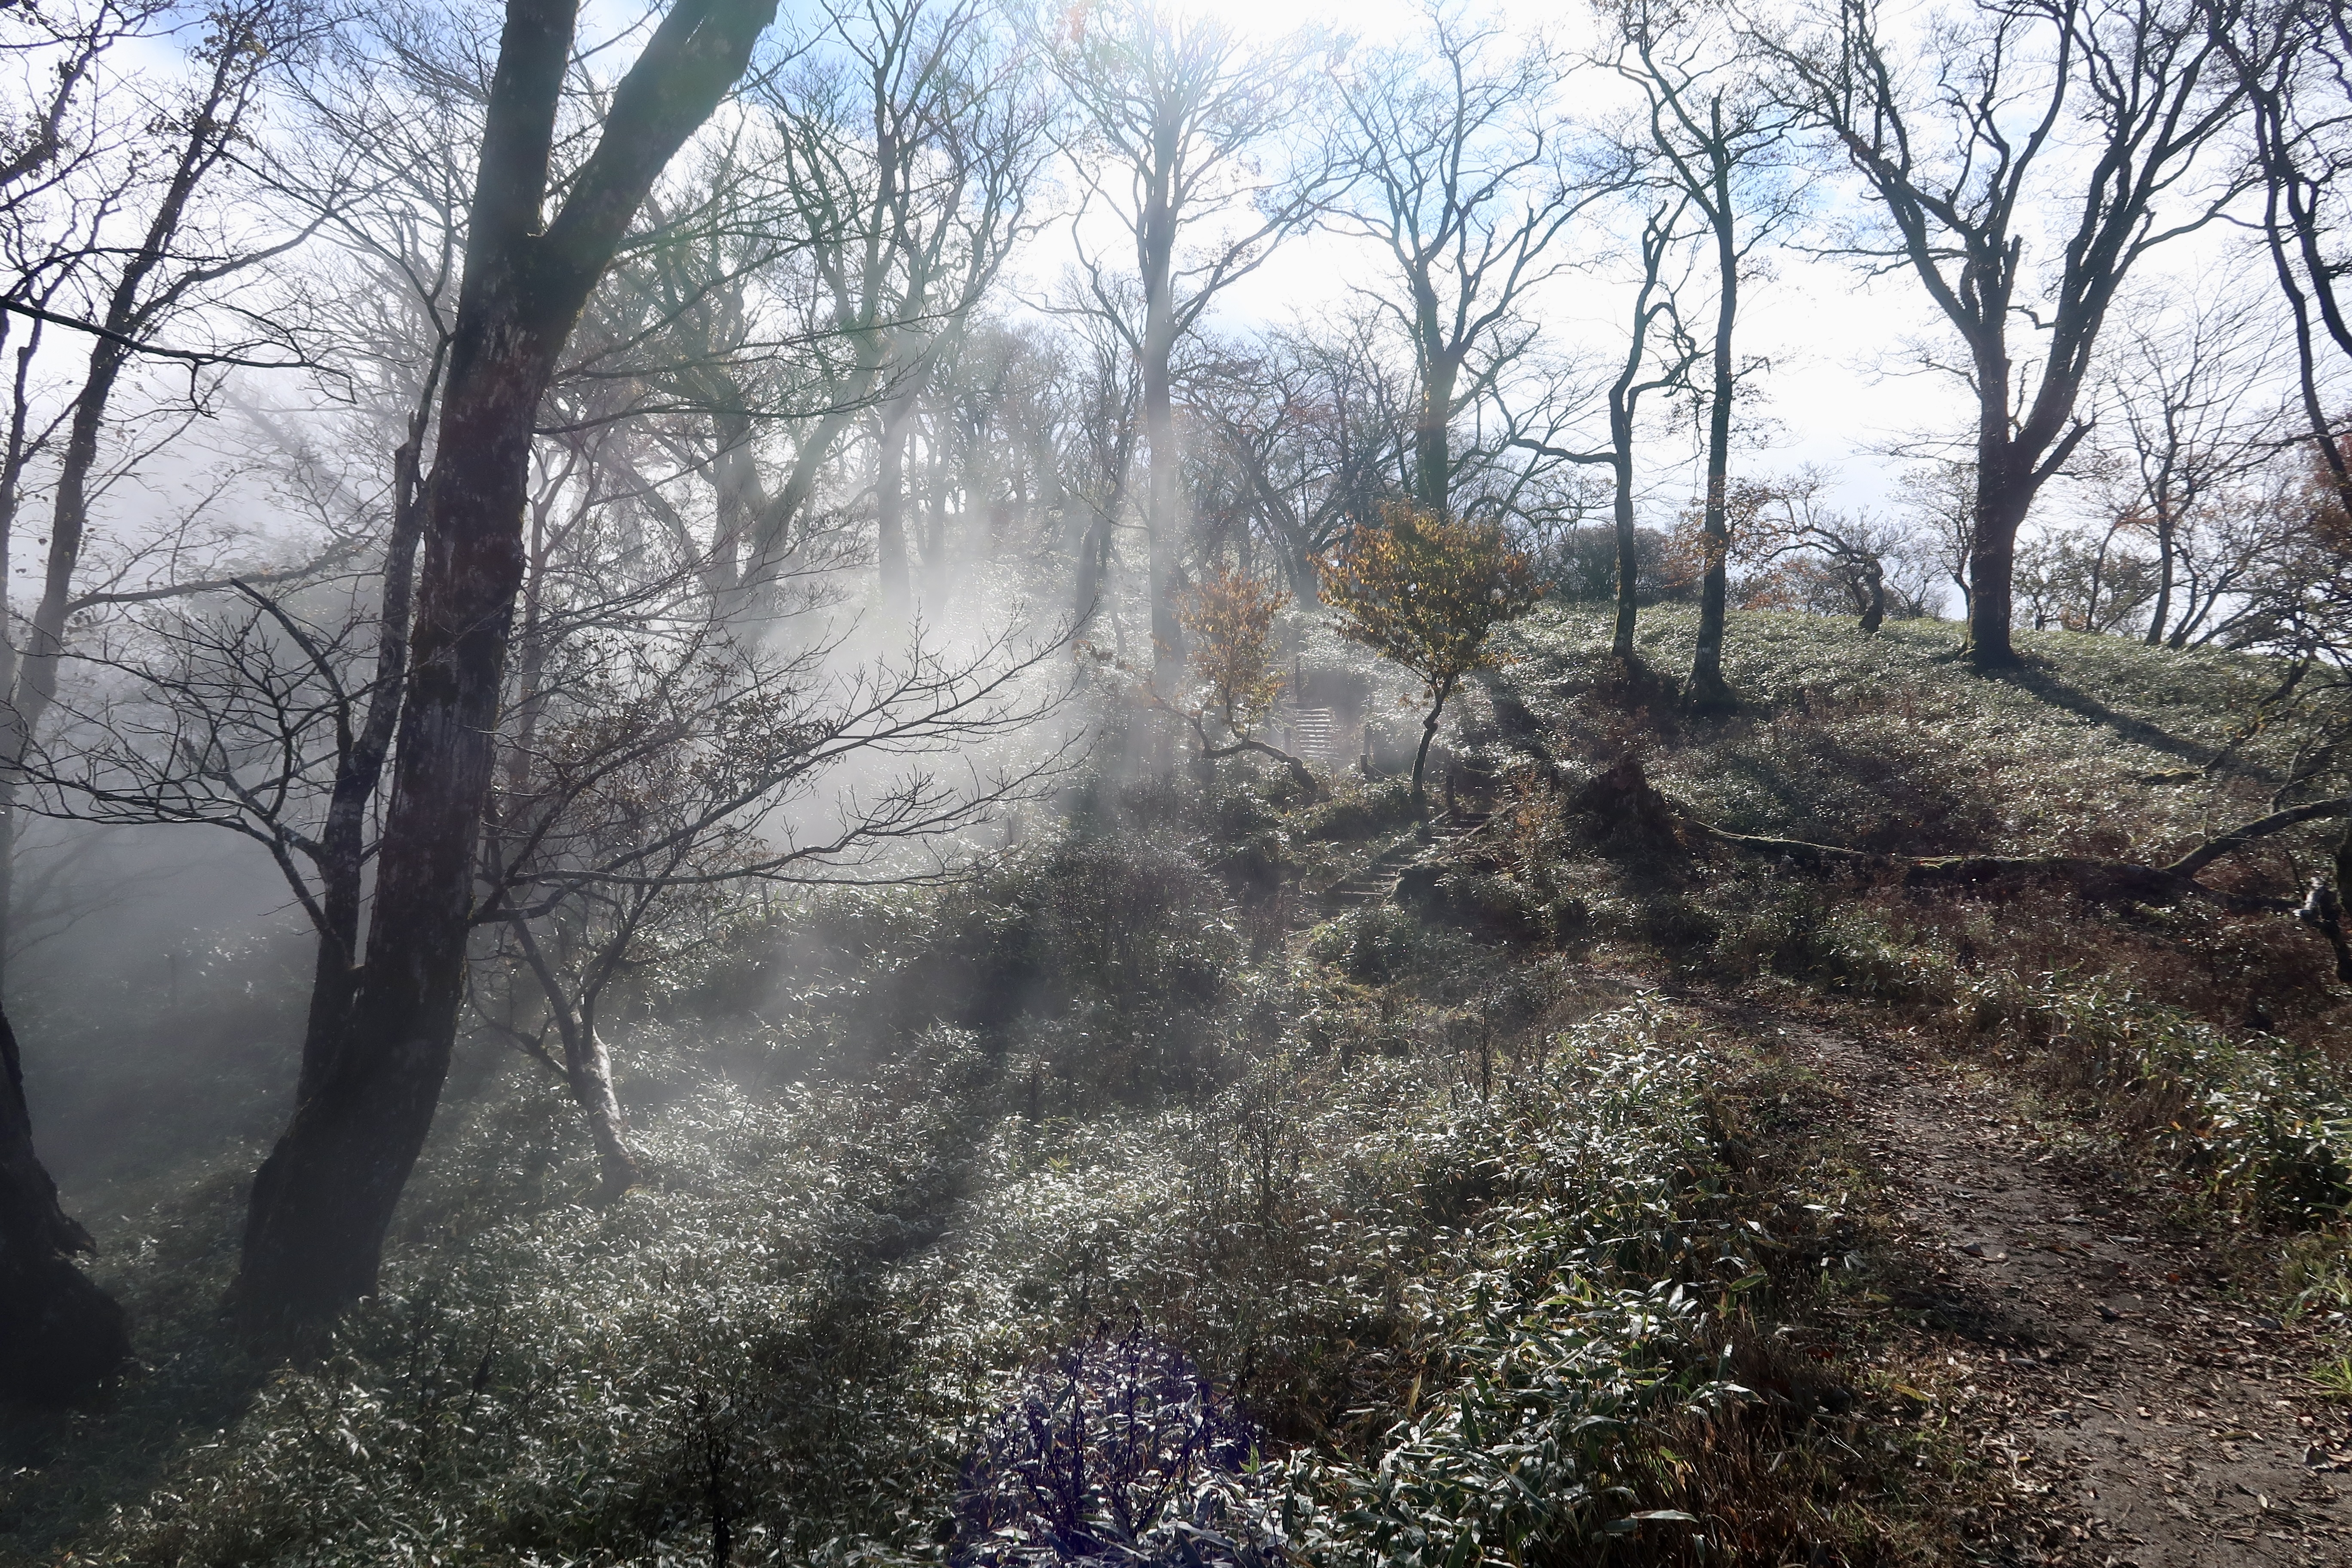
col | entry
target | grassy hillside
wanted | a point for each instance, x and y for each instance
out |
(1129, 1197)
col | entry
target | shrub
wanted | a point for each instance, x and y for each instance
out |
(1113, 1452)
(1363, 813)
(2264, 1126)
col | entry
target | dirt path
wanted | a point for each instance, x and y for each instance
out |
(2155, 1423)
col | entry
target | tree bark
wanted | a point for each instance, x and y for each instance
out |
(1161, 479)
(1707, 687)
(322, 1202)
(890, 513)
(343, 836)
(1629, 554)
(589, 1067)
(2002, 500)
(1433, 436)
(60, 1334)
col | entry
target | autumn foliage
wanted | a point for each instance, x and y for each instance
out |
(1230, 616)
(1424, 591)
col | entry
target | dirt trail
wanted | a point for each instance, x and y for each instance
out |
(2159, 1424)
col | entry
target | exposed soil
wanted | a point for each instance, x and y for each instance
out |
(2148, 1419)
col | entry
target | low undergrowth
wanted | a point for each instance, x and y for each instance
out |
(1445, 1328)
(1081, 1214)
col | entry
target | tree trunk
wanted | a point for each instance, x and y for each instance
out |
(1629, 561)
(1162, 505)
(1157, 255)
(939, 543)
(735, 484)
(324, 1199)
(589, 1067)
(2162, 615)
(1094, 562)
(1432, 450)
(343, 836)
(60, 1334)
(1708, 688)
(1421, 754)
(1873, 587)
(2001, 503)
(890, 513)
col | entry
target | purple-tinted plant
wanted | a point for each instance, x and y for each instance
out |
(1113, 1451)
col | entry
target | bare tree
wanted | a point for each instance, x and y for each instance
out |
(2197, 425)
(909, 158)
(1792, 543)
(1718, 136)
(1454, 173)
(2293, 61)
(2093, 113)
(1178, 120)
(1657, 357)
(676, 772)
(117, 244)
(322, 1201)
(1319, 432)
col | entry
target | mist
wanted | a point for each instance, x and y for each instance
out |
(928, 781)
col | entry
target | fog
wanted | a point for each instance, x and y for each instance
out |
(611, 604)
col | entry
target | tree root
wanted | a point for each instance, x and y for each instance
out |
(2096, 879)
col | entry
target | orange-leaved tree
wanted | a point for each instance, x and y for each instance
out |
(1230, 616)
(1424, 591)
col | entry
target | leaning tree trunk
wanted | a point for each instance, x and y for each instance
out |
(588, 1066)
(1421, 754)
(60, 1334)
(323, 1200)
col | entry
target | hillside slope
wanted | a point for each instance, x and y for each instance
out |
(1588, 1197)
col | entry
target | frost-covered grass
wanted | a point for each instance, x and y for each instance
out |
(2210, 1043)
(1345, 1241)
(1891, 742)
(1450, 1320)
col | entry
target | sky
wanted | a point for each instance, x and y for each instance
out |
(1839, 388)
(1844, 382)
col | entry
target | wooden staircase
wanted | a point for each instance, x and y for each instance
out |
(1375, 883)
(1312, 734)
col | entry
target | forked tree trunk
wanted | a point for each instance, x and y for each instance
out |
(323, 1200)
